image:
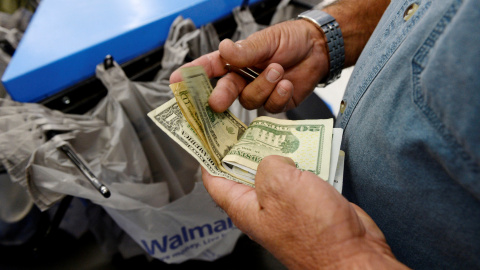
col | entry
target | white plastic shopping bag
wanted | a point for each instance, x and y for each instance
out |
(192, 227)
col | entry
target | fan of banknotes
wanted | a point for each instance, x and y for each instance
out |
(226, 147)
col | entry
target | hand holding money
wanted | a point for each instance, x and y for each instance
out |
(225, 147)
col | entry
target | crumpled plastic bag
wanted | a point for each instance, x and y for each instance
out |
(167, 161)
(104, 138)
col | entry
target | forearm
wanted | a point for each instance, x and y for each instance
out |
(357, 20)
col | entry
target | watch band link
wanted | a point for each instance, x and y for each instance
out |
(333, 34)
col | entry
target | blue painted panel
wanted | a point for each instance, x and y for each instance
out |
(66, 39)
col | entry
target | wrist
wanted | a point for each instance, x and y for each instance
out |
(357, 23)
(316, 56)
(333, 40)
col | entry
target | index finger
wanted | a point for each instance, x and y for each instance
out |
(212, 62)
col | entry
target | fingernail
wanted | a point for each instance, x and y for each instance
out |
(281, 91)
(273, 75)
(238, 43)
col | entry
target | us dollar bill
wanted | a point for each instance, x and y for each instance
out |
(221, 130)
(225, 147)
(307, 142)
(170, 119)
(185, 103)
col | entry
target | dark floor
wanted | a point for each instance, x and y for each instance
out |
(64, 252)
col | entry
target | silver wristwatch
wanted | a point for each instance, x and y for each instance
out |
(336, 50)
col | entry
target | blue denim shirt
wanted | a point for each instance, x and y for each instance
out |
(412, 132)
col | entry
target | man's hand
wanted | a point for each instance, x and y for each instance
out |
(293, 55)
(301, 219)
(293, 58)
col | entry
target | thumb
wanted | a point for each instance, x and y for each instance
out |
(275, 176)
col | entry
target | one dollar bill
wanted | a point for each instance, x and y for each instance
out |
(221, 130)
(170, 119)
